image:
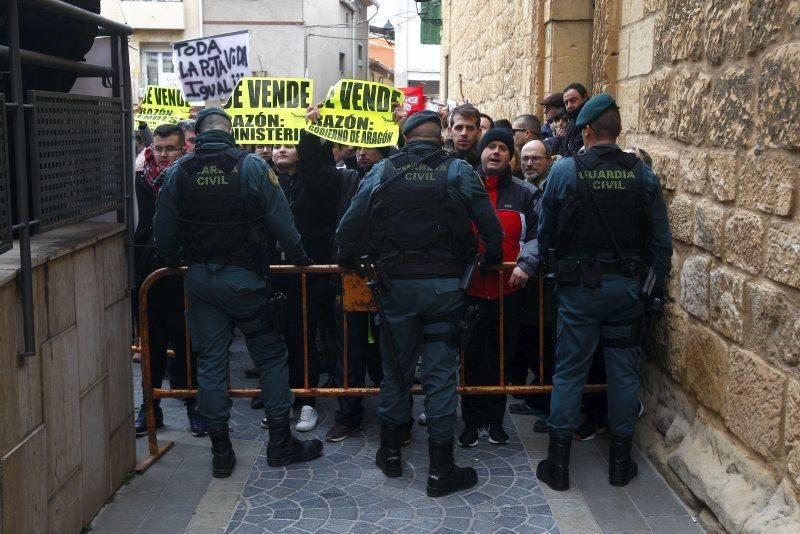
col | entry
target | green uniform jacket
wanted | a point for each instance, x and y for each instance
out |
(561, 183)
(255, 182)
(463, 185)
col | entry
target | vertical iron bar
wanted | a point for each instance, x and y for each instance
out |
(148, 394)
(18, 120)
(128, 154)
(304, 287)
(541, 328)
(187, 340)
(501, 331)
(345, 351)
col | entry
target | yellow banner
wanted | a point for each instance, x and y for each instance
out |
(162, 105)
(269, 111)
(359, 113)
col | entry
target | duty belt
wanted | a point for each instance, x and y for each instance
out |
(233, 261)
(436, 268)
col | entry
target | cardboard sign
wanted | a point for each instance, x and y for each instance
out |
(414, 99)
(209, 67)
(359, 113)
(269, 111)
(162, 105)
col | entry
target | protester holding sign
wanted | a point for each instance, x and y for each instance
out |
(162, 105)
(359, 113)
(209, 67)
(312, 184)
(269, 110)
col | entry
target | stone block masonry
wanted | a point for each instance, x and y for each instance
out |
(711, 90)
(66, 438)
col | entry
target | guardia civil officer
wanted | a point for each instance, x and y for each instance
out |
(220, 207)
(604, 215)
(413, 213)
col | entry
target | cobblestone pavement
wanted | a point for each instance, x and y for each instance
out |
(344, 492)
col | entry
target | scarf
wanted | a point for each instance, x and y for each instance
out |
(152, 174)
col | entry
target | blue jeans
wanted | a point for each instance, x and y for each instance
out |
(612, 312)
(219, 298)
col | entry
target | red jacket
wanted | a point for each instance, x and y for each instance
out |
(513, 200)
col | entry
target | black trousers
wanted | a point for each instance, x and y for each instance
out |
(482, 357)
(165, 316)
(320, 298)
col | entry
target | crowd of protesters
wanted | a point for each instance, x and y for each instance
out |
(512, 158)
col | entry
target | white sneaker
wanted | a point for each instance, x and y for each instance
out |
(308, 419)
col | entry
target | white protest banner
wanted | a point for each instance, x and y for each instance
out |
(209, 67)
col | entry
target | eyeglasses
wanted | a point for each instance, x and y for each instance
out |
(164, 149)
(515, 130)
(533, 158)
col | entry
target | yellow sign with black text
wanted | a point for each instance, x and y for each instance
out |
(162, 105)
(269, 111)
(359, 113)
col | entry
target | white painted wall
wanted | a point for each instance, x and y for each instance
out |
(412, 59)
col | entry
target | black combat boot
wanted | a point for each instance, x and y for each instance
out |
(223, 458)
(554, 470)
(621, 468)
(444, 476)
(388, 457)
(283, 448)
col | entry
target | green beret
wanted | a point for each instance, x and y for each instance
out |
(420, 117)
(207, 112)
(593, 108)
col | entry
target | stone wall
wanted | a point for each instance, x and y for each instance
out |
(486, 55)
(712, 91)
(66, 414)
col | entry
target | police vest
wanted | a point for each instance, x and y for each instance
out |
(615, 180)
(412, 215)
(217, 222)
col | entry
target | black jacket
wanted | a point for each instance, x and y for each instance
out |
(573, 137)
(313, 193)
(144, 255)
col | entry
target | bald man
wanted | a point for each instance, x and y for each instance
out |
(535, 159)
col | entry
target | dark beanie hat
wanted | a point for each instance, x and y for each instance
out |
(497, 134)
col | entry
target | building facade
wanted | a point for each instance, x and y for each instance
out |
(381, 59)
(710, 90)
(156, 25)
(417, 30)
(324, 40)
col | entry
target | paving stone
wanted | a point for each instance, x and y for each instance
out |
(344, 492)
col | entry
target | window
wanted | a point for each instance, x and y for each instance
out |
(360, 55)
(341, 64)
(158, 68)
(430, 14)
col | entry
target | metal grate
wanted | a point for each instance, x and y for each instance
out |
(5, 184)
(76, 157)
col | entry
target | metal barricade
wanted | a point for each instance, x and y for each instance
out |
(355, 297)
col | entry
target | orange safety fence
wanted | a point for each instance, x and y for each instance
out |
(356, 297)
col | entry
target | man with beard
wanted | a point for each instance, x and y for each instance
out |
(570, 140)
(464, 128)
